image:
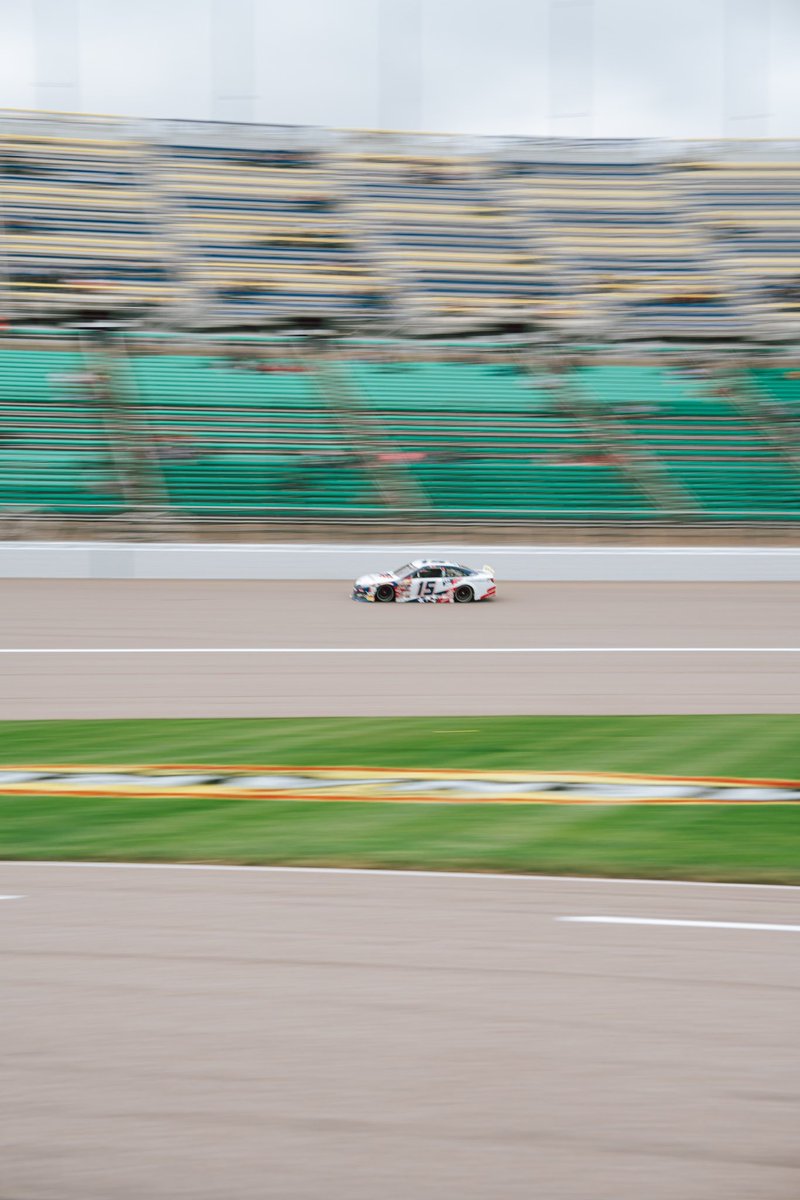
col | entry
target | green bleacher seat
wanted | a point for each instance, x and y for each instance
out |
(55, 455)
(778, 384)
(233, 440)
(461, 439)
(508, 445)
(711, 447)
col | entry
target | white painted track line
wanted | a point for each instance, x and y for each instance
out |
(682, 924)
(10, 897)
(400, 650)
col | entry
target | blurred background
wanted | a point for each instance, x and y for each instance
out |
(565, 295)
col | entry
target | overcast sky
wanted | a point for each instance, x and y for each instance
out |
(635, 68)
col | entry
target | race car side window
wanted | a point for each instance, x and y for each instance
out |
(453, 572)
(429, 573)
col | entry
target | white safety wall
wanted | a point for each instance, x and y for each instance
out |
(125, 560)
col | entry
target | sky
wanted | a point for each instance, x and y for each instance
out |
(587, 68)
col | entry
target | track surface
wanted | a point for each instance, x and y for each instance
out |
(80, 614)
(213, 1034)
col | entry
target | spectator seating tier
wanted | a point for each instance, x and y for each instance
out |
(55, 454)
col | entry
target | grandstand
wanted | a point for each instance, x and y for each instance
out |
(55, 450)
(78, 215)
(314, 325)
(221, 223)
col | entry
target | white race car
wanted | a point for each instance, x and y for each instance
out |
(427, 581)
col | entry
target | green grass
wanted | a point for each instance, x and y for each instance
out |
(706, 745)
(748, 842)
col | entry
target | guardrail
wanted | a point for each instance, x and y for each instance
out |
(345, 560)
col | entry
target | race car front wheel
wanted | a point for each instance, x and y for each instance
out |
(385, 593)
(464, 594)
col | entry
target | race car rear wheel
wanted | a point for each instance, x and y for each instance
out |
(384, 593)
(464, 594)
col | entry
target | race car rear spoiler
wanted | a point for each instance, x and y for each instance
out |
(488, 570)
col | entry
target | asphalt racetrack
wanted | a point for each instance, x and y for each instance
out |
(211, 1034)
(539, 648)
(298, 1035)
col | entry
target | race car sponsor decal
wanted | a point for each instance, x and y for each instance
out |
(391, 786)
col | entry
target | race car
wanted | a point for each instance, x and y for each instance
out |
(427, 581)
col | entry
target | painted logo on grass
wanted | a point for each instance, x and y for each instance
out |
(392, 786)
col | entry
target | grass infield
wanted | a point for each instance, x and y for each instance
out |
(712, 842)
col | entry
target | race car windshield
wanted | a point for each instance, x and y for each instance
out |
(401, 571)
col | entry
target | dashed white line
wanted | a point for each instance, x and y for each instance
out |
(10, 897)
(683, 924)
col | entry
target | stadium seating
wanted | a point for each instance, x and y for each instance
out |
(237, 440)
(220, 224)
(748, 214)
(262, 434)
(491, 439)
(710, 447)
(55, 454)
(442, 229)
(620, 233)
(780, 385)
(79, 220)
(196, 226)
(265, 231)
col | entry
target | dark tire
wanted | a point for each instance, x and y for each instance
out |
(464, 594)
(384, 593)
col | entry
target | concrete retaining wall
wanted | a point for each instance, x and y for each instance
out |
(125, 560)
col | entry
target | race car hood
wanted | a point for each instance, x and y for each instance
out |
(372, 580)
